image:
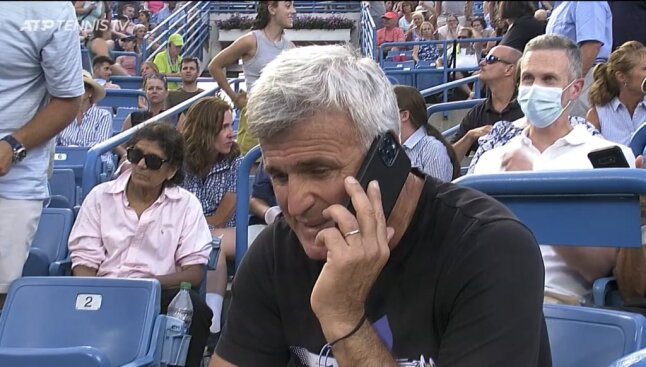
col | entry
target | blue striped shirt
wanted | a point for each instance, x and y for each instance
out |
(429, 155)
(615, 121)
(94, 128)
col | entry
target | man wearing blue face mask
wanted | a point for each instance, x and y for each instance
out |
(549, 84)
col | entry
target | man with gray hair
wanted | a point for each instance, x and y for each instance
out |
(325, 286)
(550, 81)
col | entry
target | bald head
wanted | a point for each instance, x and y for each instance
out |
(507, 53)
(541, 15)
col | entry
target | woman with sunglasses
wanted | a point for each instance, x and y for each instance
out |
(143, 225)
(212, 163)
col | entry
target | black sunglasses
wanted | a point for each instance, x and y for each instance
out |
(492, 59)
(152, 161)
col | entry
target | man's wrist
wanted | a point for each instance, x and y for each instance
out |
(336, 327)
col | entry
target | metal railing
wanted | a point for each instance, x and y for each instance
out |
(91, 173)
(190, 20)
(368, 36)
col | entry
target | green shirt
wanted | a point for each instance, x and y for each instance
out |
(162, 60)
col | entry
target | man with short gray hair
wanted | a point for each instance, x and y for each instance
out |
(325, 286)
(550, 81)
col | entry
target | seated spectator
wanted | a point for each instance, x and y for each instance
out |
(413, 32)
(519, 15)
(212, 163)
(144, 19)
(423, 143)
(322, 271)
(123, 26)
(154, 6)
(139, 33)
(173, 13)
(168, 61)
(541, 15)
(144, 209)
(389, 33)
(451, 30)
(463, 55)
(551, 77)
(618, 102)
(128, 62)
(92, 125)
(102, 71)
(428, 13)
(480, 30)
(148, 68)
(156, 91)
(498, 72)
(426, 51)
(189, 72)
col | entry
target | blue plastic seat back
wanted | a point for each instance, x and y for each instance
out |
(72, 158)
(63, 183)
(114, 316)
(50, 241)
(584, 336)
(638, 140)
(399, 65)
(85, 60)
(128, 82)
(428, 77)
(121, 97)
(120, 117)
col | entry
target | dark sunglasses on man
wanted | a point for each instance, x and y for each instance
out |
(153, 162)
(492, 59)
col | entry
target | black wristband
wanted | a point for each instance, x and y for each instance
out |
(356, 328)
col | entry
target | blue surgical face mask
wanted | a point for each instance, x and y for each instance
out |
(541, 105)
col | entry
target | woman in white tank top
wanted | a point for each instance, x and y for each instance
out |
(256, 49)
(616, 96)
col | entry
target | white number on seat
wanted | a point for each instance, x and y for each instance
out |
(88, 302)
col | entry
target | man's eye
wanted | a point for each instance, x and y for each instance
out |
(279, 178)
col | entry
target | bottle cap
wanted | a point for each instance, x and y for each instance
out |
(185, 285)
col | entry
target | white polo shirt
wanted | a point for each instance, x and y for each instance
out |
(568, 152)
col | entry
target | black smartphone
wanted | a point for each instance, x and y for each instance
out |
(612, 157)
(386, 162)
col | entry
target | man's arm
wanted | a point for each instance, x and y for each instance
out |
(591, 262)
(84, 271)
(589, 52)
(192, 274)
(463, 146)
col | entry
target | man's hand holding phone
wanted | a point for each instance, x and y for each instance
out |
(357, 252)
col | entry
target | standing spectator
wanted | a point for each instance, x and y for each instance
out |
(168, 61)
(589, 25)
(405, 15)
(189, 89)
(256, 49)
(389, 33)
(102, 71)
(498, 72)
(616, 96)
(212, 163)
(451, 30)
(40, 94)
(123, 26)
(423, 143)
(627, 22)
(426, 51)
(377, 9)
(461, 9)
(129, 63)
(523, 26)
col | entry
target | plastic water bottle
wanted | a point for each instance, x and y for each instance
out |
(181, 306)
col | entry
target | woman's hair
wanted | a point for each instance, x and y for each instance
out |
(152, 65)
(262, 14)
(204, 121)
(409, 99)
(479, 20)
(170, 141)
(606, 86)
(468, 30)
(409, 4)
(516, 9)
(158, 76)
(428, 24)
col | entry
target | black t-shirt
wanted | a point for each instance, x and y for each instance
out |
(484, 114)
(463, 287)
(524, 29)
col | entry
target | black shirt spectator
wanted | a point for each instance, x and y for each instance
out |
(138, 117)
(523, 29)
(627, 20)
(484, 114)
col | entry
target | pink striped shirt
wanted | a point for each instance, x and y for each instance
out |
(108, 236)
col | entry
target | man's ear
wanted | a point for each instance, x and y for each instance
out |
(404, 115)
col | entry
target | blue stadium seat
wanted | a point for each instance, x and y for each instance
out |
(580, 208)
(48, 252)
(638, 140)
(391, 55)
(71, 158)
(120, 117)
(605, 292)
(583, 336)
(243, 188)
(636, 359)
(85, 60)
(58, 321)
(63, 183)
(128, 82)
(428, 77)
(121, 98)
(399, 65)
